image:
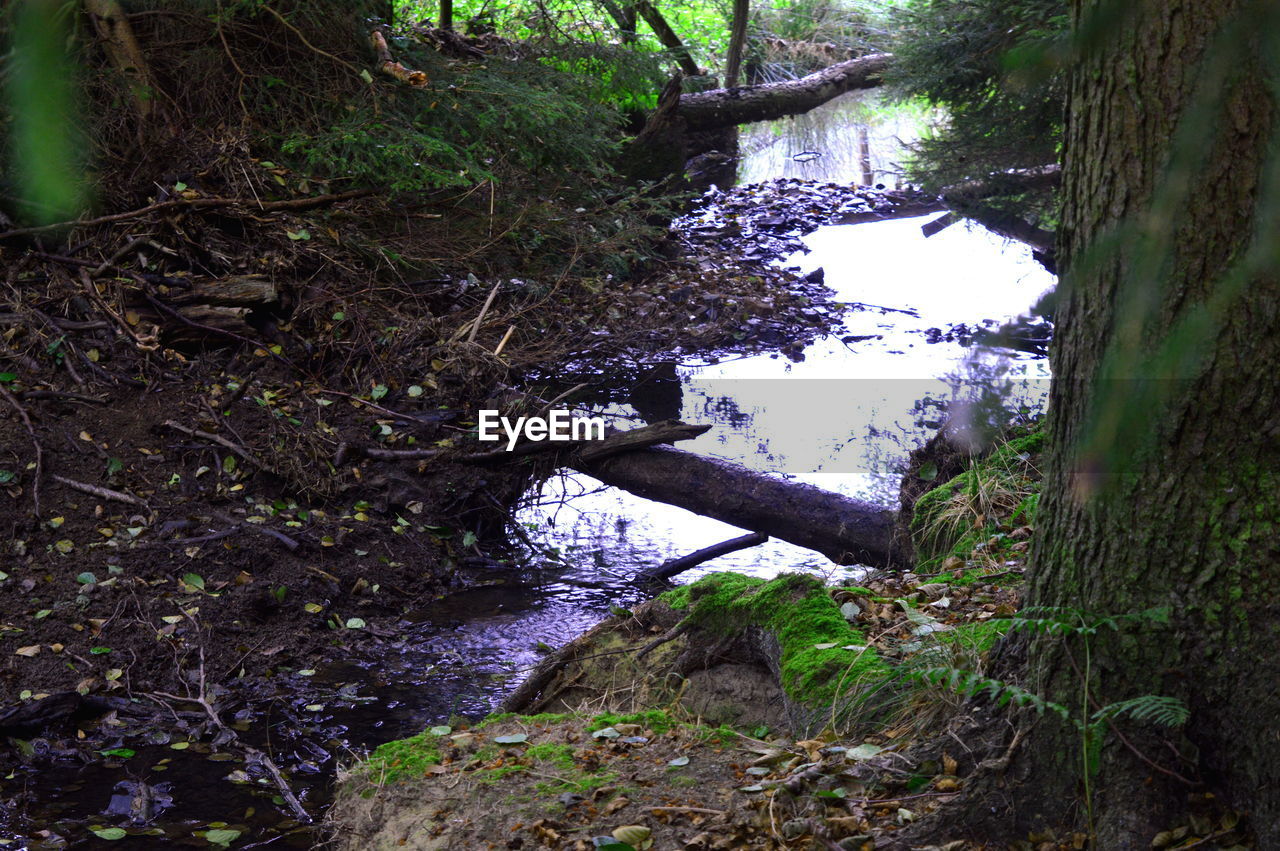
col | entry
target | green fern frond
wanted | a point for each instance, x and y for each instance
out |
(1158, 709)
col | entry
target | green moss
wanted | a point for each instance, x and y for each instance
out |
(799, 611)
(723, 735)
(493, 775)
(403, 758)
(561, 756)
(576, 782)
(544, 718)
(656, 720)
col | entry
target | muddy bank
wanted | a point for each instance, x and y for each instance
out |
(762, 714)
(687, 720)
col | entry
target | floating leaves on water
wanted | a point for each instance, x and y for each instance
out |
(514, 739)
(108, 832)
(606, 733)
(222, 836)
(679, 761)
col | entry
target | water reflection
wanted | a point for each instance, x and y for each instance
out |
(857, 138)
(843, 414)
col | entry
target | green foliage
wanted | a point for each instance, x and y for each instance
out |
(475, 122)
(972, 684)
(1062, 620)
(996, 67)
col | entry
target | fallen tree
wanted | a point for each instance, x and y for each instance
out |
(722, 108)
(844, 529)
(686, 125)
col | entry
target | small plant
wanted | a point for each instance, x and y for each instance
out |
(994, 493)
(1091, 726)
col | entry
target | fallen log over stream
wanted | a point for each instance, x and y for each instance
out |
(844, 529)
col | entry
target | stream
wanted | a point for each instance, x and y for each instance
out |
(842, 413)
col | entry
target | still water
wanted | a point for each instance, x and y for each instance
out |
(842, 414)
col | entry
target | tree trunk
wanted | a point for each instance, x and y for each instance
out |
(737, 42)
(1188, 517)
(112, 26)
(446, 14)
(728, 107)
(868, 176)
(668, 37)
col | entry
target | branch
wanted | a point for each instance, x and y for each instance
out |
(193, 204)
(721, 108)
(671, 567)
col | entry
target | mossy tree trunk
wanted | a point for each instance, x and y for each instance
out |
(1190, 520)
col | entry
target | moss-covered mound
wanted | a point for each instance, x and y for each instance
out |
(820, 658)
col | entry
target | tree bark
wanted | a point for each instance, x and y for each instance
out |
(721, 108)
(737, 43)
(1187, 517)
(844, 529)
